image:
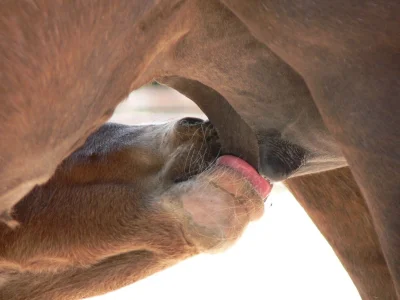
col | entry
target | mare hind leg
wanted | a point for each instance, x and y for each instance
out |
(333, 201)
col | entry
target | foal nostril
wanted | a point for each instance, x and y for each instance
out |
(190, 121)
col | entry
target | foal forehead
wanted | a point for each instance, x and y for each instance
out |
(114, 137)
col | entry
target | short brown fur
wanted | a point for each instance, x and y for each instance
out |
(317, 77)
(334, 203)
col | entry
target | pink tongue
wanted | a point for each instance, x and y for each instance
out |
(260, 184)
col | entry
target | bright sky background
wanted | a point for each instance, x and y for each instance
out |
(281, 257)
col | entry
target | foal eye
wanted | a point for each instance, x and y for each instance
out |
(183, 178)
(190, 122)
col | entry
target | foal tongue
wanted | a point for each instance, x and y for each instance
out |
(262, 186)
